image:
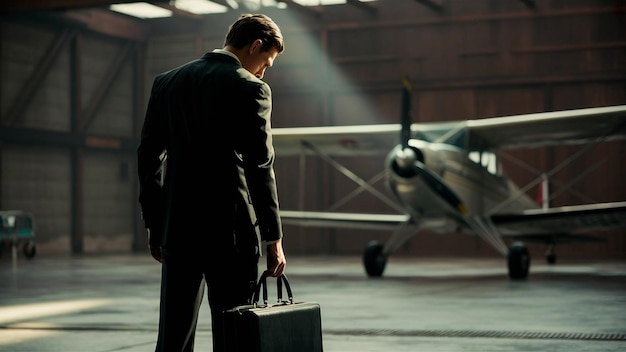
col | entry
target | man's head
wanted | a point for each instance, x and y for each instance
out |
(256, 40)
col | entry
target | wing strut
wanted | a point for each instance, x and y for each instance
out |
(380, 176)
(551, 173)
(402, 233)
(485, 228)
(351, 175)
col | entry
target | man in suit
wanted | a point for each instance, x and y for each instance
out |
(214, 205)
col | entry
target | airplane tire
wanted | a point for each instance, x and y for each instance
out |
(551, 258)
(518, 261)
(374, 260)
(29, 249)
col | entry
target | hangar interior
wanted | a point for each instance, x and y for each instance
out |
(76, 76)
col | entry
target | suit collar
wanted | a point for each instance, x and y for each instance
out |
(222, 54)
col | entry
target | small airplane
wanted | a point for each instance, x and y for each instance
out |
(445, 177)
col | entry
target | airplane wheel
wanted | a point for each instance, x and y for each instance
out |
(374, 260)
(29, 249)
(550, 256)
(518, 261)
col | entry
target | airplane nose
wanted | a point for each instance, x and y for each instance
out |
(404, 161)
(409, 163)
(405, 157)
(436, 184)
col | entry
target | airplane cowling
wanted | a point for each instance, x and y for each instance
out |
(420, 188)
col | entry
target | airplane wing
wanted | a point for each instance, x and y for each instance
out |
(528, 130)
(337, 140)
(548, 128)
(365, 221)
(577, 219)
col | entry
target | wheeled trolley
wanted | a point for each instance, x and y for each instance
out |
(17, 229)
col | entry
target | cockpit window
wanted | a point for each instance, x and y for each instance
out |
(486, 159)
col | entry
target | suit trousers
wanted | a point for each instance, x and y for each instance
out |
(229, 278)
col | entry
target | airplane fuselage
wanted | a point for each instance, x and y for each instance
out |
(480, 191)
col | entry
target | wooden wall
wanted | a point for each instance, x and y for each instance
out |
(343, 65)
(476, 59)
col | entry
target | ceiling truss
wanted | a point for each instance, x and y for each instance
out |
(47, 5)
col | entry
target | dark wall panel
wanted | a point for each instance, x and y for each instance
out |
(467, 59)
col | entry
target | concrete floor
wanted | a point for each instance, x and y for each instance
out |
(109, 303)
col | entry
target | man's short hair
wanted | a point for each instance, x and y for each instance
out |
(250, 27)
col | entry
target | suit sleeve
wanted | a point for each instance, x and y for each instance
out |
(149, 165)
(257, 155)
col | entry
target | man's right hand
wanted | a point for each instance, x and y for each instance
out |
(155, 251)
(276, 261)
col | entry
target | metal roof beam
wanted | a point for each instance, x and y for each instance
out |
(306, 9)
(530, 4)
(365, 6)
(45, 5)
(435, 5)
(176, 11)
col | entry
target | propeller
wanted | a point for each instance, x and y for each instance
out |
(410, 161)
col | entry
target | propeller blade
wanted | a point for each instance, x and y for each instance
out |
(408, 157)
(405, 132)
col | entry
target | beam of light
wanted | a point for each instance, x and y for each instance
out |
(346, 104)
(23, 312)
(233, 4)
(10, 336)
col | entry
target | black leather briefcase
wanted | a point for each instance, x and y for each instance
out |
(286, 326)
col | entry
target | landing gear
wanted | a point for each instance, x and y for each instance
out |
(518, 261)
(374, 260)
(550, 256)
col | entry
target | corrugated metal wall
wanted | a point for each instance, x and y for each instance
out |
(476, 59)
(63, 158)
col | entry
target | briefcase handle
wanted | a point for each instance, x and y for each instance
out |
(262, 283)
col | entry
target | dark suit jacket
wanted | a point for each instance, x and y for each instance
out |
(213, 119)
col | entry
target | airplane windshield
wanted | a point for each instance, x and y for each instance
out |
(487, 159)
(455, 134)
